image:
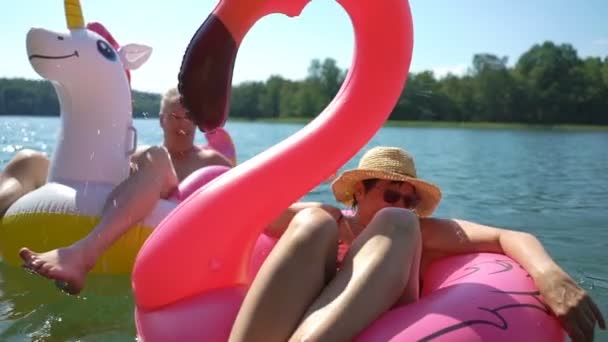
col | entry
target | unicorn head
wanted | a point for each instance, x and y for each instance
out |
(81, 57)
(95, 97)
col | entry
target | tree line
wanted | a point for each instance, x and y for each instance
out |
(548, 84)
(20, 96)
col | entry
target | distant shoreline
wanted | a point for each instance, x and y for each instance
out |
(137, 116)
(397, 123)
(451, 124)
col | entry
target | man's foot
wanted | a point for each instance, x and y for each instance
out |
(67, 266)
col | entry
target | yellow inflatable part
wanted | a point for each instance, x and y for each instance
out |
(45, 231)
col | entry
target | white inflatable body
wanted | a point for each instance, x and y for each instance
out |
(93, 147)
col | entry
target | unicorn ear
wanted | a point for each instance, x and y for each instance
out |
(134, 55)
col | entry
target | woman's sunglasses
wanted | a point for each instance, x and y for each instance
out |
(410, 201)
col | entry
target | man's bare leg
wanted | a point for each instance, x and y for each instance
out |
(129, 203)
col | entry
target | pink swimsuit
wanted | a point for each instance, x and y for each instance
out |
(342, 250)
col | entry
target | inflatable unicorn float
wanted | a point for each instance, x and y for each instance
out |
(90, 73)
(192, 274)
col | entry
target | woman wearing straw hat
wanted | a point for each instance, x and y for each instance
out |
(390, 229)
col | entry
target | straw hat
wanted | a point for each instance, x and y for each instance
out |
(389, 163)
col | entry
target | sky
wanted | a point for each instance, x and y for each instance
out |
(446, 34)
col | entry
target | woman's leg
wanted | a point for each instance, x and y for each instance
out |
(380, 269)
(25, 172)
(292, 276)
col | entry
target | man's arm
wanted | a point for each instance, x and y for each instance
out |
(570, 303)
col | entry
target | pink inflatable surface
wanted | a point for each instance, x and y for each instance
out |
(473, 297)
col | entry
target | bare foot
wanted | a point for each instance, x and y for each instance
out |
(67, 266)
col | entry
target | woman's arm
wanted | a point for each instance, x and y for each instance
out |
(570, 303)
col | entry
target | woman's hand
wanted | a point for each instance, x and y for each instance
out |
(570, 303)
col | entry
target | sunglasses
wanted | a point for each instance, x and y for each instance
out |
(179, 117)
(410, 201)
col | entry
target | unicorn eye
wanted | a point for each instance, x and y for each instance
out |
(106, 50)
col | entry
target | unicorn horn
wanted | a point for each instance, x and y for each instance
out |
(73, 14)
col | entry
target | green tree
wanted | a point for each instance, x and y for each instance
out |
(548, 71)
(245, 100)
(493, 88)
(459, 90)
(270, 101)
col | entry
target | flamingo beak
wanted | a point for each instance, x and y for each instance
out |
(205, 77)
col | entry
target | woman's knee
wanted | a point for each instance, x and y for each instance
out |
(314, 226)
(394, 241)
(397, 222)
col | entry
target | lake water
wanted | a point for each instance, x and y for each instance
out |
(551, 183)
